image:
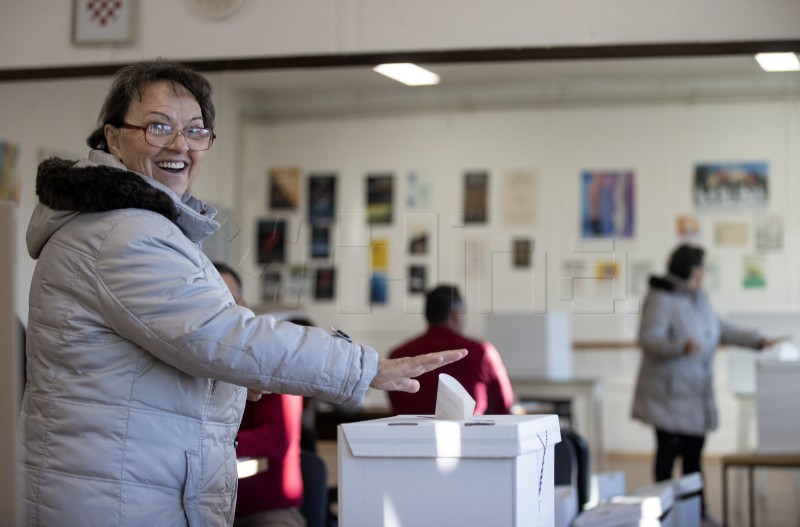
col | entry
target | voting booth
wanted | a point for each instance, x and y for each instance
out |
(420, 470)
(777, 395)
(535, 345)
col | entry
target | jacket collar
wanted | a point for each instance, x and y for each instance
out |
(672, 284)
(102, 183)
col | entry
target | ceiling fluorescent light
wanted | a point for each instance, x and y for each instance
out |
(407, 73)
(778, 61)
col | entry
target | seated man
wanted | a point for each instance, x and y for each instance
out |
(482, 372)
(270, 429)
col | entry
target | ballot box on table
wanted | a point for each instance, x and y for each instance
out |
(650, 506)
(418, 470)
(565, 505)
(777, 393)
(688, 508)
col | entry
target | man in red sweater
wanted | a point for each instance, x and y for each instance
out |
(481, 372)
(270, 429)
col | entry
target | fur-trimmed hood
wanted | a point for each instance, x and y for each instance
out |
(670, 284)
(102, 183)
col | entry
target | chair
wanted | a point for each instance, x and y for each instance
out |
(315, 489)
(572, 466)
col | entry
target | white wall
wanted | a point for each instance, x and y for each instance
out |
(37, 32)
(661, 142)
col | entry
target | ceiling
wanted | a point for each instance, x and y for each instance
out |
(295, 91)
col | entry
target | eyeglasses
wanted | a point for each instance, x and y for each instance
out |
(162, 135)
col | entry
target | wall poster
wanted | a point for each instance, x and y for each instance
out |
(520, 198)
(284, 188)
(321, 198)
(607, 204)
(476, 195)
(737, 185)
(521, 250)
(380, 195)
(325, 283)
(271, 241)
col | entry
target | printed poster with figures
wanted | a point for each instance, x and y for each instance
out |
(731, 185)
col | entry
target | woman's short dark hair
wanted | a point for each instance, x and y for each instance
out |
(440, 303)
(683, 259)
(130, 82)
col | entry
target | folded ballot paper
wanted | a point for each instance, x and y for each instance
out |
(453, 403)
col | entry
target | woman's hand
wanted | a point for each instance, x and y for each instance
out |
(692, 347)
(767, 343)
(398, 374)
(255, 395)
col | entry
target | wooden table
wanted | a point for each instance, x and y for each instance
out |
(751, 461)
(250, 466)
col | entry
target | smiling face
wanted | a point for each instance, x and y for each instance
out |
(174, 165)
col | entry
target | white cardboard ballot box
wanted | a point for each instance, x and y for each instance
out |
(566, 505)
(417, 470)
(688, 508)
(777, 393)
(649, 506)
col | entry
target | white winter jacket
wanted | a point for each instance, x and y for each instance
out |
(137, 355)
(675, 391)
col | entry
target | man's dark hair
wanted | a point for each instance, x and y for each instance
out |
(441, 302)
(683, 259)
(130, 82)
(225, 268)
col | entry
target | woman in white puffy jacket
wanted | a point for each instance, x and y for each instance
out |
(679, 334)
(138, 359)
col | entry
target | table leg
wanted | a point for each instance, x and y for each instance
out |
(751, 491)
(725, 495)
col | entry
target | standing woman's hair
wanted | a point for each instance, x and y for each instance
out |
(683, 259)
(130, 82)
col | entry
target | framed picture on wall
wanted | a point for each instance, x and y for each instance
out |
(607, 204)
(731, 185)
(320, 241)
(325, 283)
(284, 188)
(321, 198)
(271, 242)
(476, 197)
(99, 22)
(521, 251)
(416, 279)
(380, 195)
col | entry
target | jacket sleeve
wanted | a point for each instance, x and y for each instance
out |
(159, 291)
(738, 336)
(656, 335)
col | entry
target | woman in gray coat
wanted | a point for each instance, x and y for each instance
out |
(679, 333)
(138, 358)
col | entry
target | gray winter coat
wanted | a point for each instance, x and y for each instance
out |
(137, 355)
(674, 391)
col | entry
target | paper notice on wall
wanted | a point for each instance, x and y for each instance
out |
(453, 403)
